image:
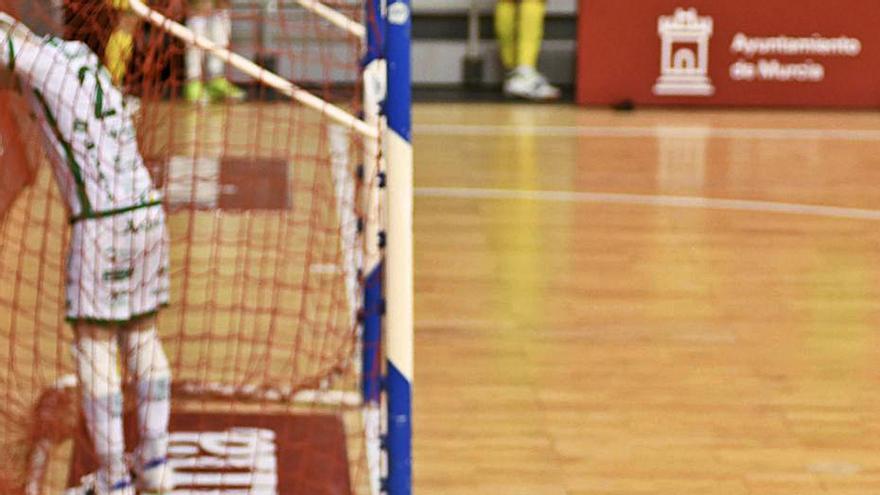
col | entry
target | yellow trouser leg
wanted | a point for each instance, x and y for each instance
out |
(120, 46)
(505, 31)
(118, 53)
(530, 32)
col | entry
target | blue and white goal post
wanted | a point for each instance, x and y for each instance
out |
(388, 105)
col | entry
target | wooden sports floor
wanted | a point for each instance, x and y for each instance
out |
(658, 302)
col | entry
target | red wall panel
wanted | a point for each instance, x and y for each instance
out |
(760, 52)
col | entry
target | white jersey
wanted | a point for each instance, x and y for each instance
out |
(117, 269)
(92, 140)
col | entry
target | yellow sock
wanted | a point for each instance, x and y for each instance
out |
(530, 32)
(505, 31)
(118, 53)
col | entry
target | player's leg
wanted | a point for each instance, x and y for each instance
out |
(117, 271)
(95, 353)
(530, 32)
(147, 289)
(525, 81)
(505, 32)
(219, 88)
(147, 364)
(198, 21)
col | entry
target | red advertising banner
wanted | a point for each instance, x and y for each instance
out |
(716, 52)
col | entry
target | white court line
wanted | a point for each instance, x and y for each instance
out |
(692, 202)
(665, 131)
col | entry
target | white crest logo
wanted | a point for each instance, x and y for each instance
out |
(684, 59)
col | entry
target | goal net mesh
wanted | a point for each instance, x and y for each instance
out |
(265, 202)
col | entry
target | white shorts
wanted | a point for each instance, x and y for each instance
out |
(117, 269)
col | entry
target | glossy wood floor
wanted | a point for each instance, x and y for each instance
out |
(654, 338)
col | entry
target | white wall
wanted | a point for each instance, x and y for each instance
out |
(456, 6)
(439, 61)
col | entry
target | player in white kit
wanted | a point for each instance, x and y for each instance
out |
(118, 260)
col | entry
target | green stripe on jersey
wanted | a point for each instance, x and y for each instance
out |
(75, 168)
(11, 62)
(100, 114)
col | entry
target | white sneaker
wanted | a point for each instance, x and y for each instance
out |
(526, 82)
(92, 484)
(156, 476)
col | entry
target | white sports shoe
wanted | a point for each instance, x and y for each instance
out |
(156, 477)
(92, 484)
(526, 82)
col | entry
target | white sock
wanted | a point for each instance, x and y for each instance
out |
(97, 368)
(195, 57)
(148, 365)
(221, 30)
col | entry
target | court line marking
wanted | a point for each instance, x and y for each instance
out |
(659, 131)
(691, 202)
